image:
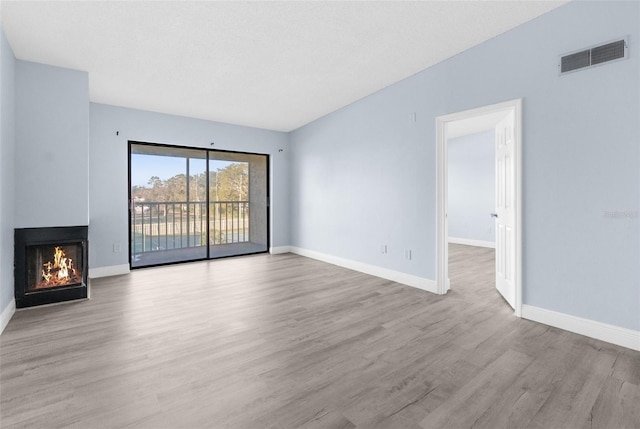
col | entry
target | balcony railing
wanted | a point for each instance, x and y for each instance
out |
(165, 226)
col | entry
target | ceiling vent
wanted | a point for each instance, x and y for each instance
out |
(608, 52)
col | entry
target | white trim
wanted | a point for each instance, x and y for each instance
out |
(442, 223)
(113, 270)
(7, 314)
(518, 208)
(470, 242)
(442, 269)
(280, 249)
(396, 276)
(601, 331)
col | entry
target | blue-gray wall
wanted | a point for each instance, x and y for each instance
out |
(109, 160)
(52, 146)
(365, 175)
(7, 156)
(472, 188)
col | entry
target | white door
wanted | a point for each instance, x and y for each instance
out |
(505, 210)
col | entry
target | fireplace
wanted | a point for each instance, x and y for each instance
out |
(51, 265)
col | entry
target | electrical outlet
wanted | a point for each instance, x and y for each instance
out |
(116, 248)
(407, 254)
(383, 249)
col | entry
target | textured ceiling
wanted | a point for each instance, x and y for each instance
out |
(273, 65)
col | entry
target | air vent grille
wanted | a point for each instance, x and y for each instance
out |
(608, 52)
(576, 61)
(593, 56)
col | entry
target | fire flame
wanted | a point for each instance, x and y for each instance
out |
(60, 270)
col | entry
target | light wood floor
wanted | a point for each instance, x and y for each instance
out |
(287, 342)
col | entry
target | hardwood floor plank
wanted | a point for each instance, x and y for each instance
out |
(469, 403)
(283, 341)
(572, 399)
(617, 405)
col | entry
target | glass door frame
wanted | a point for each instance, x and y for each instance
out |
(208, 158)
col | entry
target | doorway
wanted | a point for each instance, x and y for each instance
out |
(190, 204)
(506, 120)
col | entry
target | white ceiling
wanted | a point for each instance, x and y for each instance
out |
(273, 65)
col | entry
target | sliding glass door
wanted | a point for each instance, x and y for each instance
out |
(190, 204)
(237, 203)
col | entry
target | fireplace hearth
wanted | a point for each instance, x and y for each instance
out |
(51, 265)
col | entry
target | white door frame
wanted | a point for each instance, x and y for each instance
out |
(442, 263)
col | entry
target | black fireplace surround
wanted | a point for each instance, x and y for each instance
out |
(51, 265)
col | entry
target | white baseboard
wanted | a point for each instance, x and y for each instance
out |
(396, 276)
(470, 242)
(113, 270)
(280, 249)
(601, 331)
(7, 314)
